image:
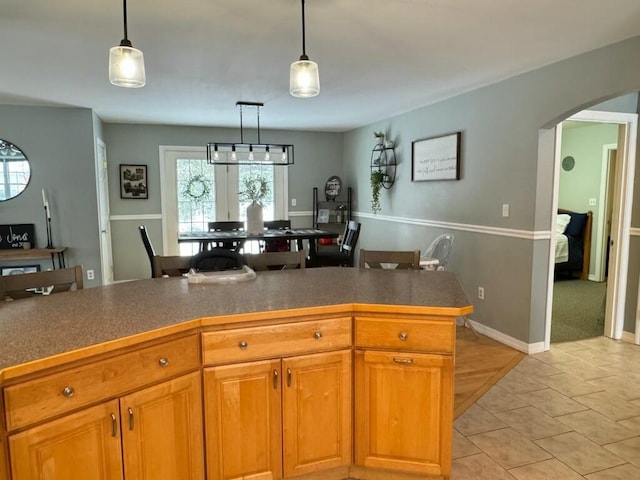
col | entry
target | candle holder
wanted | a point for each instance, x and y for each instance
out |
(47, 217)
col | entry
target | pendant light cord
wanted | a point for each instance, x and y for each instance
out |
(124, 15)
(304, 50)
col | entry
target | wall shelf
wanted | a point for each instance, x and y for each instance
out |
(383, 159)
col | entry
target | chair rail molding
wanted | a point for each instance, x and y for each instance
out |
(145, 216)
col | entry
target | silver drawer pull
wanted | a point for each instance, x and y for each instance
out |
(403, 361)
(68, 392)
(403, 336)
(243, 345)
(164, 361)
(317, 335)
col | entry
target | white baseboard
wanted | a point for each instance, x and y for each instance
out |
(528, 348)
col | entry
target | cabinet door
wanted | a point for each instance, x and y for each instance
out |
(316, 412)
(243, 423)
(404, 411)
(162, 431)
(4, 472)
(82, 445)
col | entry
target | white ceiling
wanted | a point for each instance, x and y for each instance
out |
(377, 58)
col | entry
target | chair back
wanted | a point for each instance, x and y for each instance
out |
(440, 249)
(25, 284)
(350, 237)
(215, 260)
(277, 260)
(277, 224)
(173, 266)
(223, 226)
(277, 244)
(147, 246)
(390, 260)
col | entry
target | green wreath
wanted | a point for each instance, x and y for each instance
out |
(197, 188)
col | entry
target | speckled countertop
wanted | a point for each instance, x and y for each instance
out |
(40, 327)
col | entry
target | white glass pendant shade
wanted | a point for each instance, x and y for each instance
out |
(126, 67)
(304, 80)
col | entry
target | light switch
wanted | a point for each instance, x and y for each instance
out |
(293, 202)
(505, 210)
(593, 202)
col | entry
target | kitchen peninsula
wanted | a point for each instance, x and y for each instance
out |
(314, 374)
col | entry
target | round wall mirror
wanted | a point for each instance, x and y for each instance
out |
(15, 171)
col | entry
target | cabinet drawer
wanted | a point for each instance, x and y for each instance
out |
(50, 395)
(429, 335)
(237, 345)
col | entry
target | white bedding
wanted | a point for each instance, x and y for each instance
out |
(562, 248)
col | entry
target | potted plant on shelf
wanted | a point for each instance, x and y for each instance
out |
(379, 137)
(255, 190)
(377, 180)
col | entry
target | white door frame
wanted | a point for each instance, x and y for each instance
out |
(617, 284)
(104, 220)
(168, 194)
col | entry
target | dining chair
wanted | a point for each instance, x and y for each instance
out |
(390, 259)
(29, 284)
(172, 266)
(223, 226)
(344, 256)
(277, 244)
(276, 260)
(148, 247)
(216, 259)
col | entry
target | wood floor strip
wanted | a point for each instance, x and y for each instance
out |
(480, 363)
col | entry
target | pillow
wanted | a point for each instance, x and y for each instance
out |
(576, 225)
(562, 220)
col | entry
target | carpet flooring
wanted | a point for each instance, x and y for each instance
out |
(578, 310)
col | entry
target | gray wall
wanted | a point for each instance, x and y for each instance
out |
(501, 125)
(59, 145)
(317, 157)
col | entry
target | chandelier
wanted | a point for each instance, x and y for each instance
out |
(219, 153)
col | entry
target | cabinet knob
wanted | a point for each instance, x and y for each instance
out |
(403, 336)
(317, 335)
(68, 392)
(243, 345)
(163, 362)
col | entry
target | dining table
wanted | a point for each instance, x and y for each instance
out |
(239, 237)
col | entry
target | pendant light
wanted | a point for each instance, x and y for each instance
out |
(126, 64)
(304, 80)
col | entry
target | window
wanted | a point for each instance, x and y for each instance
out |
(195, 193)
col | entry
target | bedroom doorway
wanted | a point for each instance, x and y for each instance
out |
(618, 201)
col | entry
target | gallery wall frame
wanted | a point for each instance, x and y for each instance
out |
(436, 158)
(133, 182)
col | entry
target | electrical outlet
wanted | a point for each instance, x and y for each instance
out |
(481, 293)
(505, 209)
(593, 202)
(90, 275)
(294, 202)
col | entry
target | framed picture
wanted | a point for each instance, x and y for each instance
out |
(19, 269)
(323, 215)
(133, 182)
(436, 158)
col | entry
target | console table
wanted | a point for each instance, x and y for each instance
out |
(33, 253)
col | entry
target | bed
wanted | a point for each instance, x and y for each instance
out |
(573, 243)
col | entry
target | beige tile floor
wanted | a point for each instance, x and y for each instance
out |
(570, 413)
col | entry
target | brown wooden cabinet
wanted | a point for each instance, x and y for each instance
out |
(86, 443)
(152, 434)
(404, 398)
(296, 408)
